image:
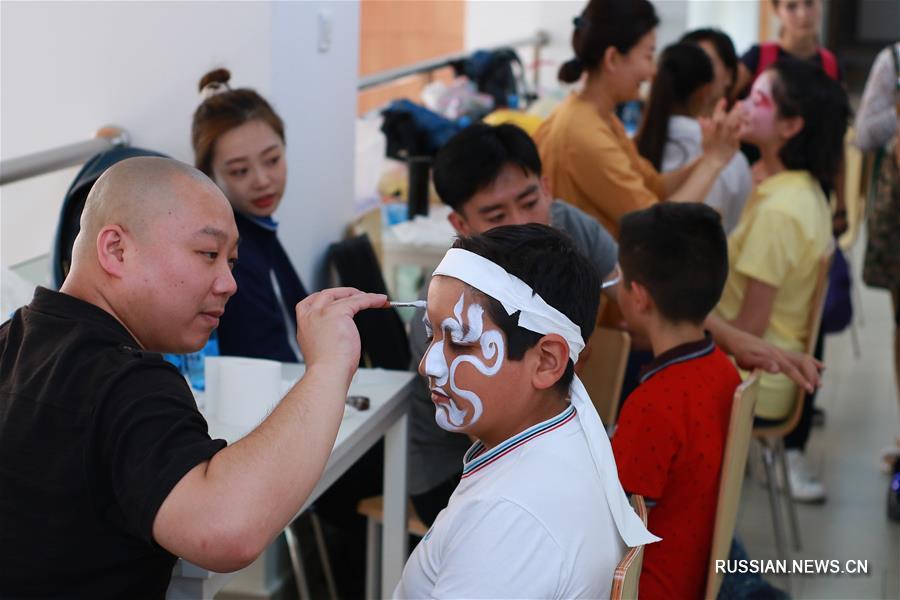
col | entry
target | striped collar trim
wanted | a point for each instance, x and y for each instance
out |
(476, 458)
(679, 354)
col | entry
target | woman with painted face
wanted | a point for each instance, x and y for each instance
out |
(691, 78)
(539, 511)
(797, 117)
(588, 158)
(239, 142)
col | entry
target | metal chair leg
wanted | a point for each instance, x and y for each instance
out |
(293, 544)
(777, 522)
(323, 555)
(788, 494)
(854, 339)
(857, 305)
(373, 559)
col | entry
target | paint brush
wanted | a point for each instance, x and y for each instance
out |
(411, 304)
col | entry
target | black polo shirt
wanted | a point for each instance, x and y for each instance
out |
(94, 434)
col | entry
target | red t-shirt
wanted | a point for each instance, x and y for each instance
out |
(668, 445)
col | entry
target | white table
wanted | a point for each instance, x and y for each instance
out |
(359, 431)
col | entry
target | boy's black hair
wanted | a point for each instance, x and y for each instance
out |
(473, 158)
(723, 45)
(547, 260)
(680, 254)
(801, 89)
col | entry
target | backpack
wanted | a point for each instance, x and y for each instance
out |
(413, 130)
(838, 310)
(382, 332)
(768, 54)
(499, 74)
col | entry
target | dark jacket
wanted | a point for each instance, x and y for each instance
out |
(259, 321)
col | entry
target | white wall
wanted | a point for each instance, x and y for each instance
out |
(738, 18)
(315, 94)
(69, 67)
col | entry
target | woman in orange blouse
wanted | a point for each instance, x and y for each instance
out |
(588, 158)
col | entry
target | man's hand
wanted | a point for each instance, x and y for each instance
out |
(325, 329)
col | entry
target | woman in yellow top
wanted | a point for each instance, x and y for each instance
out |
(588, 158)
(797, 116)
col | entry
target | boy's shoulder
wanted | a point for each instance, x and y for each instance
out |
(705, 369)
(686, 362)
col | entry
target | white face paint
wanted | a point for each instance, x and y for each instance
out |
(448, 414)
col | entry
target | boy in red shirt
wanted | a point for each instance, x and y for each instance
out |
(671, 433)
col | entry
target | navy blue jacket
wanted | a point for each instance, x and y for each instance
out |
(257, 322)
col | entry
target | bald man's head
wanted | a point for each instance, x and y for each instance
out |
(156, 247)
(135, 192)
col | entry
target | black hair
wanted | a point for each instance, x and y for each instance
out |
(473, 158)
(801, 89)
(724, 48)
(682, 70)
(605, 23)
(680, 254)
(549, 261)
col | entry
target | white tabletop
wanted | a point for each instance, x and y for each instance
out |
(360, 430)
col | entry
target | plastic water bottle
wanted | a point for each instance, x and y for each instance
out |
(194, 363)
(630, 114)
(191, 365)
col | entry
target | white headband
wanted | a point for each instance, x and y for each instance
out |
(538, 316)
(514, 294)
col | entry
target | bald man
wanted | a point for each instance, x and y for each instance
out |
(107, 472)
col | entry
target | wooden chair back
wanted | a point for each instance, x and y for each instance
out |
(731, 479)
(628, 572)
(604, 370)
(856, 165)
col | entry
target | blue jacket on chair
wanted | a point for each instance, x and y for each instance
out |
(260, 320)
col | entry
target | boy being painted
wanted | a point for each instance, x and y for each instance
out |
(671, 434)
(539, 511)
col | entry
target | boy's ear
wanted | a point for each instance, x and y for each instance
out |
(641, 298)
(552, 356)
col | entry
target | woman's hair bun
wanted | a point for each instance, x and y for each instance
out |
(215, 76)
(571, 70)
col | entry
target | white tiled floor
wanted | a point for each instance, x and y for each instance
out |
(859, 398)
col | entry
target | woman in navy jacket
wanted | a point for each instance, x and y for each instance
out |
(238, 142)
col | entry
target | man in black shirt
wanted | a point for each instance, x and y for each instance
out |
(107, 472)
